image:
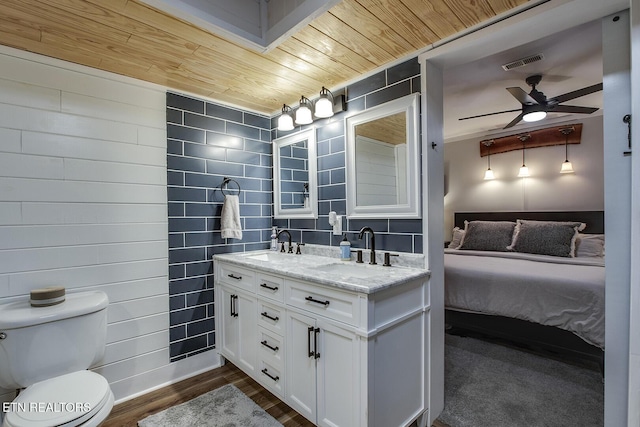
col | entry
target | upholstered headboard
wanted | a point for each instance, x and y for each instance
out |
(593, 219)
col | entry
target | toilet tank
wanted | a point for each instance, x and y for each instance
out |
(37, 343)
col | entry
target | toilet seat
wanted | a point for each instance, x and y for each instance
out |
(80, 398)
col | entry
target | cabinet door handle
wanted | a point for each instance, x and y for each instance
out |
(274, 318)
(233, 276)
(312, 299)
(234, 313)
(316, 334)
(271, 288)
(276, 378)
(309, 333)
(266, 344)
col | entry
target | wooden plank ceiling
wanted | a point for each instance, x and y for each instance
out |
(131, 38)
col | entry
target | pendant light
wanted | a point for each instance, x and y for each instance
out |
(488, 174)
(524, 170)
(285, 121)
(324, 104)
(303, 113)
(567, 167)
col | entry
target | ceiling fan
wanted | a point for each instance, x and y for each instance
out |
(535, 105)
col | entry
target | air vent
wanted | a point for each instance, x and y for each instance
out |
(522, 62)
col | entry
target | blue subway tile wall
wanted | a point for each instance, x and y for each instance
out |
(207, 142)
(391, 234)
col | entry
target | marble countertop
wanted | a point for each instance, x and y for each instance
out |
(326, 270)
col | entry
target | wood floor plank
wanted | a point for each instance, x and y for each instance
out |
(127, 414)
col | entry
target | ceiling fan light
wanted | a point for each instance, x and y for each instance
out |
(324, 104)
(488, 175)
(524, 172)
(567, 167)
(534, 116)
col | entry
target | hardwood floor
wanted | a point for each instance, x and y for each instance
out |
(128, 413)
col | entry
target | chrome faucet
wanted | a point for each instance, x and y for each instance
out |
(372, 257)
(282, 247)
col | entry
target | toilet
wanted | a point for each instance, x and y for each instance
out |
(45, 352)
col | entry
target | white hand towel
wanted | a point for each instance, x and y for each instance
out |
(230, 218)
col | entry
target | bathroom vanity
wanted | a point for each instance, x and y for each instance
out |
(344, 344)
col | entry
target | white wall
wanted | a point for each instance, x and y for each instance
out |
(83, 203)
(545, 190)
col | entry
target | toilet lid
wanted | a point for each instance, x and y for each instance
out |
(61, 401)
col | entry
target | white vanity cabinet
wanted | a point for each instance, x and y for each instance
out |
(340, 355)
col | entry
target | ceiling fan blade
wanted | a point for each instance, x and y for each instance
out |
(490, 114)
(514, 121)
(576, 94)
(571, 109)
(521, 96)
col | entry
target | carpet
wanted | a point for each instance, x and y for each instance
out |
(491, 385)
(226, 406)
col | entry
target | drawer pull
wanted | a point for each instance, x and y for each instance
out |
(271, 288)
(276, 378)
(316, 333)
(233, 276)
(312, 299)
(266, 344)
(309, 332)
(274, 318)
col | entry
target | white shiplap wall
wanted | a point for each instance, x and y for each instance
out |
(83, 204)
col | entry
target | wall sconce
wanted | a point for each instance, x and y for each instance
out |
(488, 174)
(524, 170)
(285, 121)
(303, 113)
(567, 167)
(324, 104)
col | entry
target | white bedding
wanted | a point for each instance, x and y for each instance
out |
(564, 292)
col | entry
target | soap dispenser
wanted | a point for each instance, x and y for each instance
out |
(274, 238)
(345, 249)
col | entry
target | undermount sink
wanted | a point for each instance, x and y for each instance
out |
(350, 270)
(267, 256)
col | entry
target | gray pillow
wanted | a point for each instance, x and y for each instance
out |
(487, 235)
(546, 237)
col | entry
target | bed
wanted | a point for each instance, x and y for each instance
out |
(541, 296)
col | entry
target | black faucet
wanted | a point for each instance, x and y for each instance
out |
(372, 257)
(282, 247)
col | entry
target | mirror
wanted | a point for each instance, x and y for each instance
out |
(383, 161)
(295, 193)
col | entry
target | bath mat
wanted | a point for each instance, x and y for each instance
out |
(226, 406)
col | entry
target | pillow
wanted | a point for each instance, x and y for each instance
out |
(546, 237)
(589, 245)
(456, 238)
(487, 235)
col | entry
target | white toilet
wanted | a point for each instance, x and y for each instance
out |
(46, 351)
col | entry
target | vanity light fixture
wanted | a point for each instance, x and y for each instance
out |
(524, 170)
(303, 113)
(488, 173)
(324, 104)
(567, 167)
(285, 121)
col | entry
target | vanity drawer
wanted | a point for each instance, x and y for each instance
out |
(271, 317)
(331, 303)
(238, 276)
(271, 347)
(271, 377)
(270, 286)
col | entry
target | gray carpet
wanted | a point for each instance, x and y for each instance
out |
(224, 407)
(490, 385)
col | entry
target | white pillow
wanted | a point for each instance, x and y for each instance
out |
(456, 238)
(590, 245)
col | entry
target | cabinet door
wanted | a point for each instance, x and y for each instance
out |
(247, 329)
(338, 376)
(300, 382)
(239, 324)
(230, 325)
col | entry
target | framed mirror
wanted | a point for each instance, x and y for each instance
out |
(383, 161)
(295, 189)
